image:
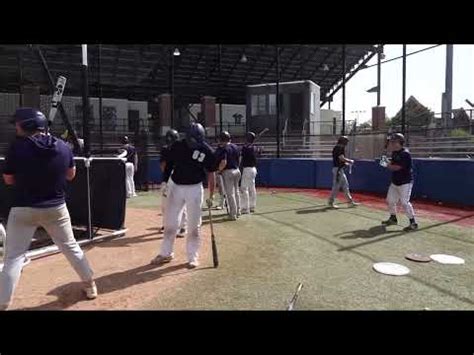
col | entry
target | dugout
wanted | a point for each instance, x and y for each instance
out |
(106, 210)
(299, 103)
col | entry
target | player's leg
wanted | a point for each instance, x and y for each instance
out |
(405, 195)
(57, 222)
(336, 185)
(128, 177)
(393, 196)
(245, 190)
(229, 190)
(21, 227)
(132, 180)
(164, 202)
(183, 224)
(237, 176)
(345, 187)
(194, 199)
(174, 211)
(220, 185)
(253, 190)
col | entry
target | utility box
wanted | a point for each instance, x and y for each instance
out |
(299, 107)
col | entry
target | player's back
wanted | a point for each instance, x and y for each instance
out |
(190, 163)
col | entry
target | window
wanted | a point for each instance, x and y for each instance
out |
(254, 105)
(272, 104)
(312, 102)
(259, 105)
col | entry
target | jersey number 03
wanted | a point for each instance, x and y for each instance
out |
(197, 155)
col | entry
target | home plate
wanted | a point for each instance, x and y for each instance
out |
(447, 259)
(391, 269)
(418, 257)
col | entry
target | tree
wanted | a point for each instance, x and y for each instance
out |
(416, 115)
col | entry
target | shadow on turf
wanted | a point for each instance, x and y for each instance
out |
(71, 293)
(400, 233)
(127, 241)
(316, 210)
(372, 260)
(366, 233)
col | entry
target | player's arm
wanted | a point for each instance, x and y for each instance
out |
(135, 161)
(71, 173)
(223, 162)
(9, 179)
(405, 161)
(122, 153)
(71, 170)
(10, 168)
(343, 159)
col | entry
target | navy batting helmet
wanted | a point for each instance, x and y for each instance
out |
(398, 137)
(171, 136)
(224, 136)
(250, 137)
(195, 134)
(343, 140)
(30, 119)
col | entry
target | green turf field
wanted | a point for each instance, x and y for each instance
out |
(294, 238)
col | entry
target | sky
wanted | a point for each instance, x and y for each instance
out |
(425, 81)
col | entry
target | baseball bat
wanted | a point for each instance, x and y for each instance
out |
(295, 297)
(215, 258)
(57, 97)
(265, 130)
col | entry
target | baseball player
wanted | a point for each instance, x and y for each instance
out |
(171, 137)
(190, 160)
(228, 159)
(38, 165)
(402, 182)
(249, 173)
(220, 179)
(339, 177)
(129, 152)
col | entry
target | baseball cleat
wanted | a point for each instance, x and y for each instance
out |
(252, 210)
(91, 291)
(332, 205)
(354, 204)
(160, 260)
(390, 222)
(3, 307)
(411, 227)
(192, 264)
(244, 212)
(181, 233)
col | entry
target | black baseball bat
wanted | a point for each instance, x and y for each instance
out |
(215, 258)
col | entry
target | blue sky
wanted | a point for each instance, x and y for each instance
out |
(425, 81)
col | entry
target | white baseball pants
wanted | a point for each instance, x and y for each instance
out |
(337, 184)
(164, 206)
(179, 198)
(129, 182)
(247, 188)
(231, 179)
(21, 226)
(402, 194)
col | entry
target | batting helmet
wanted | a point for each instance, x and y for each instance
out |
(343, 140)
(224, 136)
(30, 119)
(171, 136)
(195, 134)
(250, 137)
(398, 137)
(125, 140)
